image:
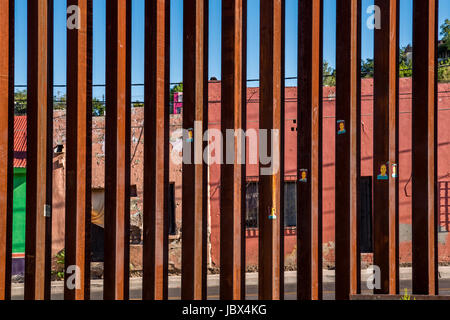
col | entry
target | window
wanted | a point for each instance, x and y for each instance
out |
(365, 230)
(444, 206)
(251, 198)
(290, 204)
(171, 211)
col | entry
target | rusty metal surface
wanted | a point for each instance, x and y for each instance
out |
(49, 169)
(117, 150)
(231, 171)
(309, 255)
(195, 109)
(244, 168)
(270, 120)
(6, 143)
(282, 146)
(205, 169)
(77, 154)
(156, 150)
(385, 135)
(88, 201)
(36, 150)
(424, 148)
(348, 153)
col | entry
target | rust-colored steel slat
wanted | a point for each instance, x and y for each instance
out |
(49, 177)
(77, 154)
(348, 150)
(117, 147)
(234, 151)
(282, 146)
(194, 180)
(156, 149)
(424, 148)
(37, 157)
(88, 202)
(244, 169)
(205, 167)
(270, 176)
(6, 143)
(385, 147)
(309, 255)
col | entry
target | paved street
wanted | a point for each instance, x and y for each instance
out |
(252, 288)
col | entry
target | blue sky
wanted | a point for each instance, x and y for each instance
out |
(214, 42)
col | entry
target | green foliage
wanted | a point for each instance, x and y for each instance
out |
(20, 102)
(444, 71)
(60, 264)
(98, 107)
(138, 104)
(59, 103)
(177, 88)
(329, 75)
(445, 33)
(405, 65)
(367, 68)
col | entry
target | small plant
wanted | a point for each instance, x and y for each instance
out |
(407, 296)
(60, 262)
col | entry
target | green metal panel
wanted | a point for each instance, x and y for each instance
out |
(19, 203)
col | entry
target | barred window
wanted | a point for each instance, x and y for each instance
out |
(290, 204)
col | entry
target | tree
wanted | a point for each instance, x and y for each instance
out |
(20, 102)
(98, 107)
(444, 71)
(405, 64)
(329, 75)
(445, 33)
(137, 104)
(177, 88)
(367, 68)
(59, 102)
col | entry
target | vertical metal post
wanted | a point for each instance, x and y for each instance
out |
(424, 148)
(234, 158)
(195, 123)
(49, 173)
(156, 149)
(244, 168)
(88, 202)
(37, 78)
(270, 122)
(348, 150)
(205, 168)
(385, 147)
(117, 168)
(282, 145)
(6, 143)
(309, 195)
(77, 154)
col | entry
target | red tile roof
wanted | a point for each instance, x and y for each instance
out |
(20, 141)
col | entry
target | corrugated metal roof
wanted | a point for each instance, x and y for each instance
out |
(20, 141)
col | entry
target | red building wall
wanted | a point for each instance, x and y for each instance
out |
(329, 125)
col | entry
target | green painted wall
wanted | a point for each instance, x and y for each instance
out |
(19, 202)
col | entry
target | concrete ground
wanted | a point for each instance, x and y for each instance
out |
(252, 286)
